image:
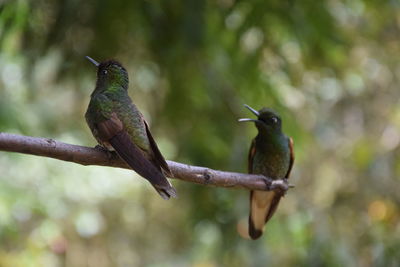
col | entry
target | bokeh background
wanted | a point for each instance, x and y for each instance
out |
(330, 68)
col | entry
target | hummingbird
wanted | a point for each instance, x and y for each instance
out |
(118, 125)
(271, 154)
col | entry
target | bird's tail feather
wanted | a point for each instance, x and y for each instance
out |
(135, 158)
(167, 193)
(262, 206)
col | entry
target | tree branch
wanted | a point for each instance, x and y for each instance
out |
(92, 156)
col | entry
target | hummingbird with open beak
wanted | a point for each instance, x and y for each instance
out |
(118, 125)
(271, 154)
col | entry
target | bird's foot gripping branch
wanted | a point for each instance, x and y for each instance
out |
(281, 186)
(50, 148)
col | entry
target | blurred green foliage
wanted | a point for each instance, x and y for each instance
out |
(330, 68)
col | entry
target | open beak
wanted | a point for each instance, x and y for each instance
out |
(93, 61)
(255, 112)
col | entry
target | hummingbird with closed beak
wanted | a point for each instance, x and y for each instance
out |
(118, 125)
(271, 154)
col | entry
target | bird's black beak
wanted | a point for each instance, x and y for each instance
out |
(93, 61)
(255, 112)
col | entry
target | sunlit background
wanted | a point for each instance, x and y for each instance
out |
(330, 68)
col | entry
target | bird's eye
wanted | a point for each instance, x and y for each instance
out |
(274, 120)
(104, 72)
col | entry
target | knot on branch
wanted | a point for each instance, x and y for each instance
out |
(51, 142)
(207, 175)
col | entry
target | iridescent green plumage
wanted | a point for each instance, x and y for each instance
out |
(271, 154)
(117, 124)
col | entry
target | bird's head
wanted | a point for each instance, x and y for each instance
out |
(267, 122)
(111, 72)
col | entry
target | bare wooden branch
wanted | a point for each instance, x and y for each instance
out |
(92, 156)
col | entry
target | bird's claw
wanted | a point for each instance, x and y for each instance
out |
(100, 147)
(281, 186)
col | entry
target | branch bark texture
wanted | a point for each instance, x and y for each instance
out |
(92, 156)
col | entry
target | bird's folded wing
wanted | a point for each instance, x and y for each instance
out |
(112, 131)
(291, 157)
(158, 157)
(109, 128)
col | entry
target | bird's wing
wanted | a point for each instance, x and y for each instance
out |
(112, 131)
(157, 156)
(291, 157)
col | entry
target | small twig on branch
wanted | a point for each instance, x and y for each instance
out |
(91, 156)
